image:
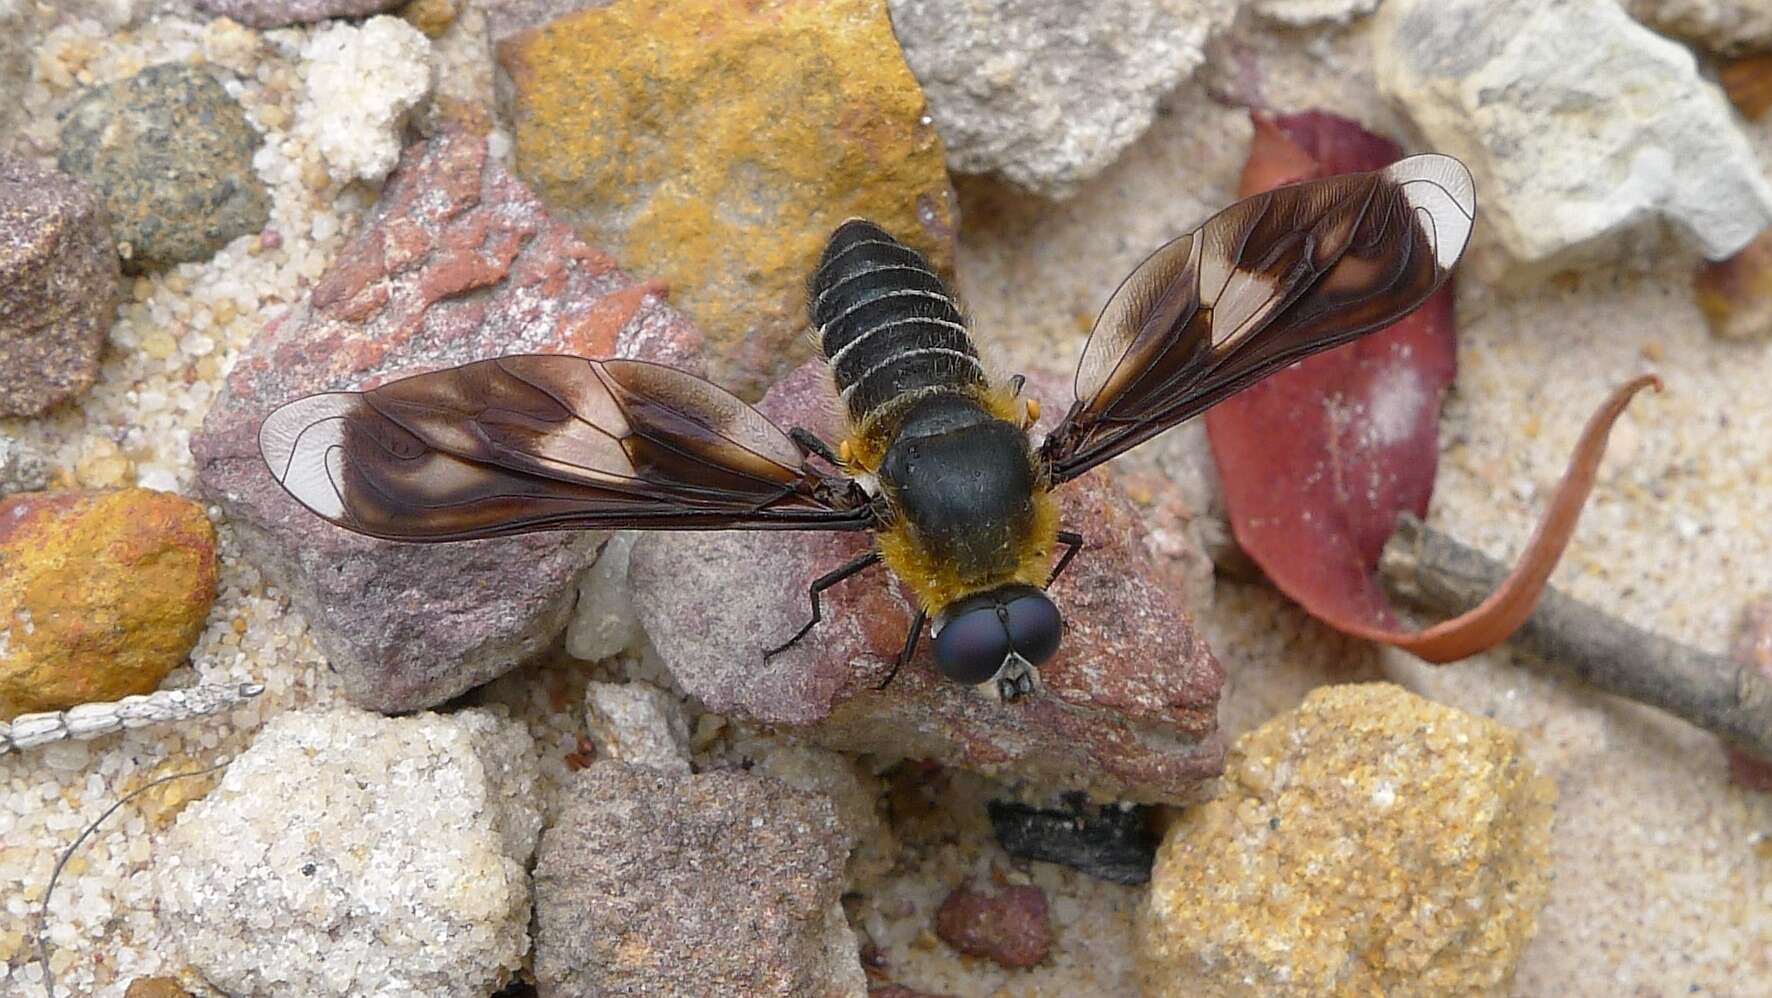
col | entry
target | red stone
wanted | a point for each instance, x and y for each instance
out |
(1011, 927)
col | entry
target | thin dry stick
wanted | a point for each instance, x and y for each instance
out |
(1425, 567)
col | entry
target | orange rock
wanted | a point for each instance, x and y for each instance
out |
(155, 987)
(715, 145)
(1736, 294)
(433, 17)
(101, 594)
(1748, 82)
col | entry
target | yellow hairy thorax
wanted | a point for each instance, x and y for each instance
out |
(935, 581)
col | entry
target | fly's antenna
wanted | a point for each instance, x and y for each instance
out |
(68, 854)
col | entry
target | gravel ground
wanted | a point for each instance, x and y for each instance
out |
(1664, 872)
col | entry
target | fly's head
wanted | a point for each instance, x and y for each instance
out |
(999, 637)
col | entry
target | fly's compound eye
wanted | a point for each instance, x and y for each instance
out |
(1034, 626)
(972, 645)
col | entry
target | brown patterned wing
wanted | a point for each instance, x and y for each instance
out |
(1265, 282)
(546, 442)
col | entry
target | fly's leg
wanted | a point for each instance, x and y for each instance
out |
(910, 648)
(819, 585)
(1073, 542)
(811, 443)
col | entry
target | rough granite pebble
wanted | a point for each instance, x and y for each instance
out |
(1011, 927)
(281, 13)
(18, 40)
(101, 594)
(857, 794)
(172, 153)
(59, 286)
(361, 83)
(639, 724)
(22, 467)
(1041, 93)
(1727, 26)
(350, 854)
(1301, 13)
(1368, 842)
(651, 883)
(457, 262)
(1581, 127)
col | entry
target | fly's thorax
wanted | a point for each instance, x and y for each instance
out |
(963, 484)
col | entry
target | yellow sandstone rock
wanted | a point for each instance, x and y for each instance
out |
(101, 594)
(1370, 842)
(716, 144)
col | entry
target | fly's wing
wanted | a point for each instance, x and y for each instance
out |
(534, 442)
(1265, 282)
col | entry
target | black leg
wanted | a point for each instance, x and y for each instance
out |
(1073, 542)
(910, 648)
(813, 445)
(819, 585)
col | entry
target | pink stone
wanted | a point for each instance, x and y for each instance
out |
(458, 262)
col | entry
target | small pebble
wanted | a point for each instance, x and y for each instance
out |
(172, 153)
(1114, 843)
(1011, 927)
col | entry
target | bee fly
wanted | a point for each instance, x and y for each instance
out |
(936, 458)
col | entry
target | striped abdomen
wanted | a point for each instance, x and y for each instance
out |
(887, 323)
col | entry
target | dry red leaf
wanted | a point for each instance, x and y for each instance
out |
(1319, 460)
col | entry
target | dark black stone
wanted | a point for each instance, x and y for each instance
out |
(1114, 843)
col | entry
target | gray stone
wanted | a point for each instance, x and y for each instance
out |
(1727, 26)
(346, 853)
(603, 622)
(1302, 13)
(18, 40)
(281, 13)
(408, 626)
(1582, 127)
(652, 883)
(505, 18)
(639, 724)
(852, 790)
(59, 286)
(22, 468)
(172, 153)
(1046, 94)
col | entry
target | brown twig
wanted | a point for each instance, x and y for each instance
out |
(1426, 568)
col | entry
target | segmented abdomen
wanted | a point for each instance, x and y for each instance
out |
(887, 323)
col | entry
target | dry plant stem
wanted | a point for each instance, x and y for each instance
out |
(1431, 570)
